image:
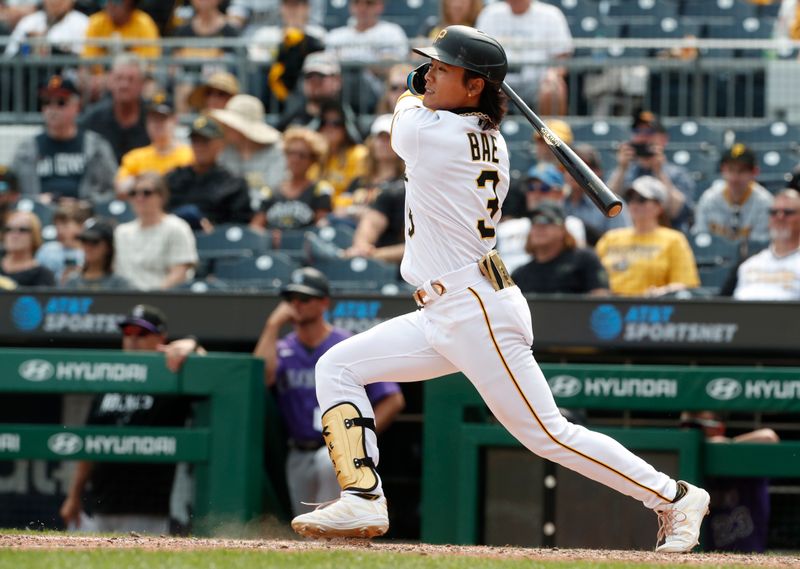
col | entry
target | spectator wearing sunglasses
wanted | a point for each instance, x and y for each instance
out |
(394, 86)
(157, 250)
(22, 237)
(163, 155)
(544, 183)
(346, 158)
(289, 370)
(64, 161)
(97, 271)
(119, 497)
(649, 258)
(774, 273)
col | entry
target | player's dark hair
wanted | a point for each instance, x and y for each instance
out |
(493, 102)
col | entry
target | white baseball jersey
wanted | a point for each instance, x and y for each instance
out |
(450, 218)
(766, 276)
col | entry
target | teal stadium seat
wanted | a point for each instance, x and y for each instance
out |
(265, 272)
(358, 273)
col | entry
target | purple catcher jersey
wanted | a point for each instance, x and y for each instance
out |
(296, 389)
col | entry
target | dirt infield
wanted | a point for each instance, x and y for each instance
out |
(50, 541)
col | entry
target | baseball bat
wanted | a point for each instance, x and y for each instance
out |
(600, 194)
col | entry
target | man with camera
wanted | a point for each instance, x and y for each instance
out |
(643, 155)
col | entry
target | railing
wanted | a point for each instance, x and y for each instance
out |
(711, 84)
(226, 444)
(457, 429)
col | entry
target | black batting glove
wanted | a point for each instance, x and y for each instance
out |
(416, 79)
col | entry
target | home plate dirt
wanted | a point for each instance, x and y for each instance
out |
(72, 541)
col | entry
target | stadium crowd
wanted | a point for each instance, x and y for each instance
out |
(248, 195)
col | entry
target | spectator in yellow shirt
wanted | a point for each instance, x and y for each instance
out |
(164, 153)
(648, 258)
(121, 18)
(346, 159)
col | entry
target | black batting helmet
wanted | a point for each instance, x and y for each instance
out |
(471, 49)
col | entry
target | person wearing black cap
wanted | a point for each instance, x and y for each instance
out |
(64, 161)
(558, 266)
(735, 207)
(97, 272)
(122, 497)
(289, 369)
(204, 193)
(163, 154)
(644, 155)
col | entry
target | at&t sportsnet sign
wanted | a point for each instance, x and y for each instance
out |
(645, 323)
(71, 314)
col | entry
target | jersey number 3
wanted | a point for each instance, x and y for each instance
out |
(492, 204)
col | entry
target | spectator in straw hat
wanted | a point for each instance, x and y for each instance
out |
(254, 150)
(214, 92)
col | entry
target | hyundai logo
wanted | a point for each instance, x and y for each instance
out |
(724, 388)
(565, 385)
(36, 370)
(65, 444)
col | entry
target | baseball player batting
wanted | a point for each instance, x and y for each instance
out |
(472, 318)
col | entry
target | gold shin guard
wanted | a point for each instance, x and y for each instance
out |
(343, 429)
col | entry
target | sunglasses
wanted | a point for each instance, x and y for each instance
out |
(636, 198)
(786, 212)
(60, 102)
(146, 193)
(298, 154)
(211, 91)
(332, 122)
(89, 241)
(299, 297)
(18, 229)
(537, 186)
(136, 331)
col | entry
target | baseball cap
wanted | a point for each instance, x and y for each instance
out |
(546, 173)
(560, 128)
(205, 128)
(58, 86)
(381, 124)
(97, 230)
(548, 212)
(648, 187)
(740, 154)
(160, 103)
(308, 281)
(8, 180)
(323, 63)
(145, 316)
(220, 80)
(646, 121)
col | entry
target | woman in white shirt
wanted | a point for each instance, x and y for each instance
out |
(63, 27)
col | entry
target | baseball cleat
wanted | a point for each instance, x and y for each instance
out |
(679, 523)
(349, 516)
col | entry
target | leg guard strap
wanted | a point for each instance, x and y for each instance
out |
(343, 429)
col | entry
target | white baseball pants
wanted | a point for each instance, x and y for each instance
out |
(485, 334)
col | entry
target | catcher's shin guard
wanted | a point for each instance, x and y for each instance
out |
(343, 429)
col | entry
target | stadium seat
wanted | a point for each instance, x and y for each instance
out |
(691, 134)
(592, 27)
(665, 28)
(357, 273)
(336, 13)
(231, 240)
(341, 236)
(753, 246)
(713, 250)
(750, 28)
(716, 12)
(516, 129)
(775, 168)
(775, 135)
(576, 10)
(641, 11)
(713, 277)
(409, 14)
(269, 271)
(118, 210)
(600, 134)
(43, 211)
(203, 286)
(702, 165)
